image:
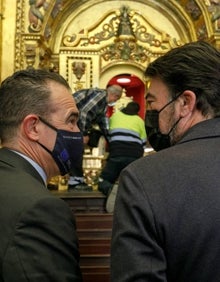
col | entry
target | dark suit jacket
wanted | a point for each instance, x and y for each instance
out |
(167, 214)
(37, 230)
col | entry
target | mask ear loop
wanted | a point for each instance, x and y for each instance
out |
(52, 127)
(47, 123)
(173, 126)
(177, 96)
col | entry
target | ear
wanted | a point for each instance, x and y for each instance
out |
(31, 127)
(187, 102)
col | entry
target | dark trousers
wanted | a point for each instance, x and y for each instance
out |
(111, 172)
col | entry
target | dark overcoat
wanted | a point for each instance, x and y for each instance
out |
(167, 214)
(37, 229)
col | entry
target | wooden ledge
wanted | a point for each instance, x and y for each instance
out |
(78, 194)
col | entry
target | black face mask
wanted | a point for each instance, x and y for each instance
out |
(157, 140)
(68, 149)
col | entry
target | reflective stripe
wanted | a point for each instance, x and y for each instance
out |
(128, 136)
(123, 130)
(125, 139)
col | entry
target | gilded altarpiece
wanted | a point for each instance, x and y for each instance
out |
(119, 37)
(84, 39)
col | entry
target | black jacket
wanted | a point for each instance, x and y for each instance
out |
(167, 214)
(37, 230)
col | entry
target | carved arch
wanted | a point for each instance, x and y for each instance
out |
(45, 40)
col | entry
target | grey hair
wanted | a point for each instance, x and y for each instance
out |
(115, 89)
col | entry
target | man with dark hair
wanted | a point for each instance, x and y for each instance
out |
(92, 105)
(40, 139)
(166, 224)
(127, 139)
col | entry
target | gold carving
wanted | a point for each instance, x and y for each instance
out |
(123, 35)
(30, 54)
(79, 69)
(214, 9)
(36, 14)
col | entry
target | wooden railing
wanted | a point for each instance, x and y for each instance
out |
(94, 228)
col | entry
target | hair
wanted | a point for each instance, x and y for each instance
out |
(132, 108)
(115, 89)
(194, 66)
(25, 92)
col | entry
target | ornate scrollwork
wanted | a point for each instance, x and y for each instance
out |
(125, 46)
(128, 31)
(36, 15)
(108, 31)
(119, 35)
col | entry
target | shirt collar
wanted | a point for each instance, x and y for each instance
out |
(35, 165)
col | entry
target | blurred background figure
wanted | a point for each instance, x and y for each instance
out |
(92, 104)
(127, 139)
